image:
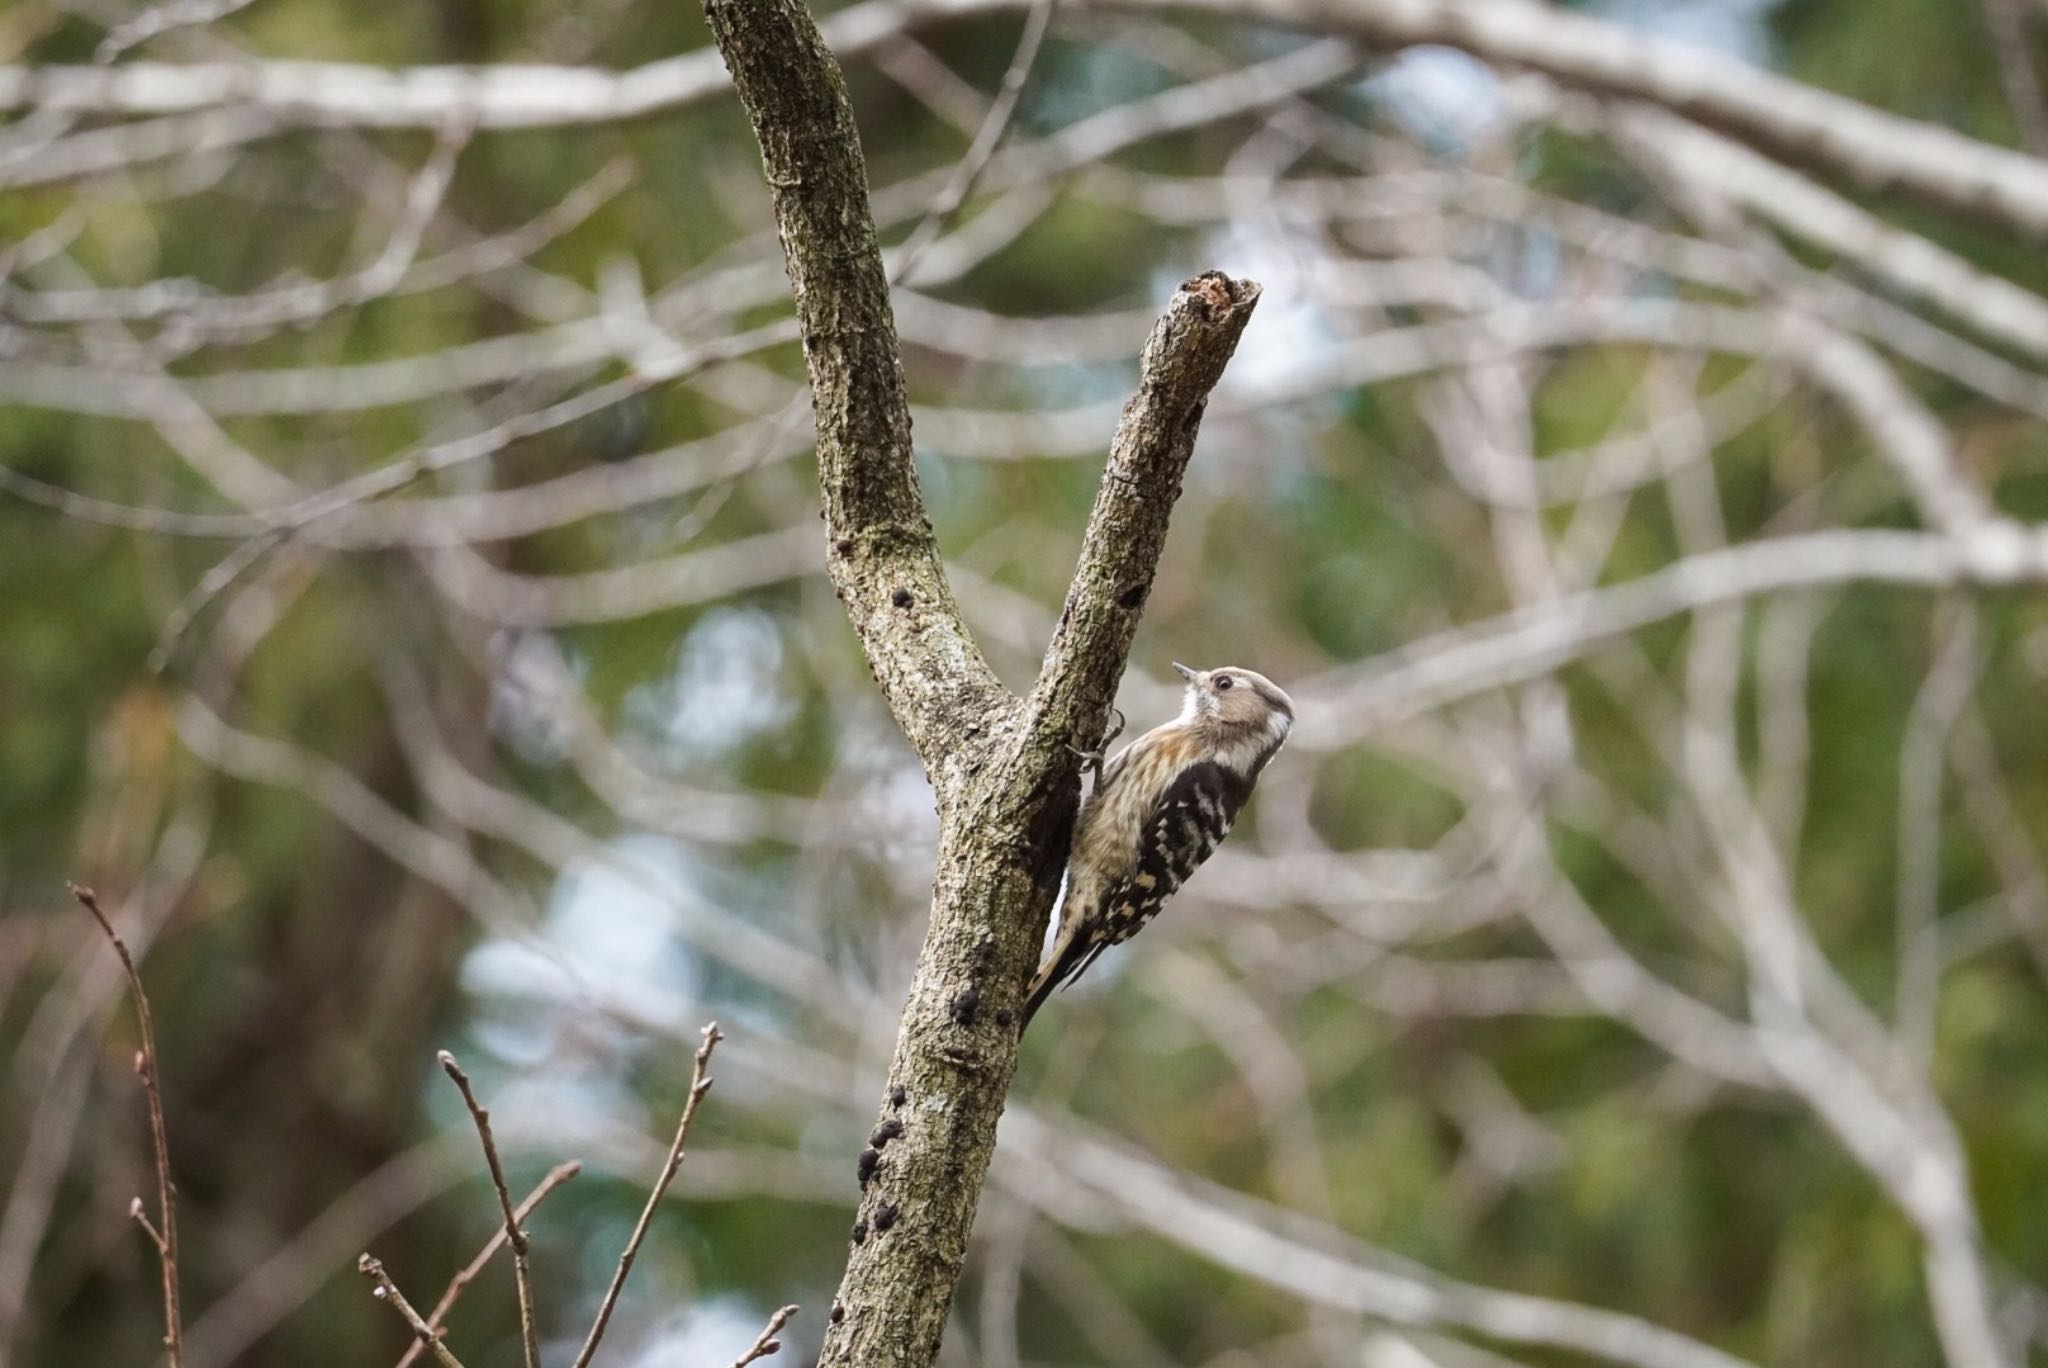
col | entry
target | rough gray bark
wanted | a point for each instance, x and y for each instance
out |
(1005, 771)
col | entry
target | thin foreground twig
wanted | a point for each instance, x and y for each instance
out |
(766, 1343)
(700, 1083)
(560, 1174)
(529, 1336)
(163, 1234)
(387, 1290)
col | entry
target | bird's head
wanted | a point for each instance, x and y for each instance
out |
(1238, 699)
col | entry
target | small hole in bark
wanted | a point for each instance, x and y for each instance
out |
(885, 1216)
(901, 598)
(1131, 597)
(1003, 1017)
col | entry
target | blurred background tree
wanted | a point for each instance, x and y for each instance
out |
(414, 625)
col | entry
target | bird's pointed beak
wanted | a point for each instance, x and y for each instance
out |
(1185, 672)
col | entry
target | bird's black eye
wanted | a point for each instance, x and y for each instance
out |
(1223, 682)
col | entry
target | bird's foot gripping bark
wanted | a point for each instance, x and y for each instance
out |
(1094, 758)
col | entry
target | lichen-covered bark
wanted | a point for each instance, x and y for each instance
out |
(1182, 361)
(883, 558)
(1005, 771)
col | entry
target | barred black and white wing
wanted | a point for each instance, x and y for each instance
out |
(1182, 829)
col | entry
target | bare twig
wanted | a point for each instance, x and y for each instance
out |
(529, 1337)
(387, 1290)
(164, 1233)
(766, 1343)
(700, 1083)
(560, 1174)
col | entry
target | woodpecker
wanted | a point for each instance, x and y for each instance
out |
(1160, 808)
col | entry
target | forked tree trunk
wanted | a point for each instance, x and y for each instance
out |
(1005, 770)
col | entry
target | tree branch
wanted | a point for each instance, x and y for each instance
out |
(884, 559)
(1005, 772)
(1183, 360)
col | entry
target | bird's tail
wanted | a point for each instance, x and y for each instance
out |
(1041, 989)
(1071, 953)
(1048, 976)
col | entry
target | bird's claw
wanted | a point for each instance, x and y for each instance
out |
(1116, 729)
(1093, 759)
